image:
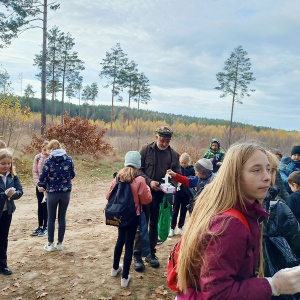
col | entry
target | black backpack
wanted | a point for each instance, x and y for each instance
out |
(120, 210)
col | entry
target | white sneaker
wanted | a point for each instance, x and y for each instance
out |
(171, 232)
(58, 247)
(49, 248)
(180, 230)
(124, 282)
(114, 272)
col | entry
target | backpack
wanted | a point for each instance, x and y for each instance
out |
(120, 210)
(173, 256)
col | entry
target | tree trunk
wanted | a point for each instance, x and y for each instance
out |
(231, 120)
(79, 103)
(53, 87)
(63, 93)
(112, 107)
(129, 103)
(137, 115)
(43, 92)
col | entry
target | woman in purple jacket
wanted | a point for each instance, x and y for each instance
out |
(219, 256)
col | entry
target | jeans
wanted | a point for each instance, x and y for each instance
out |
(62, 201)
(126, 236)
(42, 209)
(152, 213)
(5, 221)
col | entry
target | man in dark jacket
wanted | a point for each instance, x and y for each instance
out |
(294, 199)
(157, 158)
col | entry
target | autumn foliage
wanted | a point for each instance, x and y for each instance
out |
(77, 135)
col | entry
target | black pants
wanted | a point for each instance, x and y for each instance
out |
(42, 209)
(152, 213)
(5, 221)
(126, 236)
(180, 203)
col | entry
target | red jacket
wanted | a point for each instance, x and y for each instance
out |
(232, 259)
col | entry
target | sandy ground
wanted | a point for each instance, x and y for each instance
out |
(82, 269)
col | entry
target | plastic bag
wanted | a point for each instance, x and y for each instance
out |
(164, 219)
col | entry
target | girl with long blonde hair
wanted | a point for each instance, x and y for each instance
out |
(219, 256)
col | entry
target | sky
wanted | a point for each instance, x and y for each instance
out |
(181, 46)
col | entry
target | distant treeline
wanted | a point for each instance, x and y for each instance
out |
(102, 112)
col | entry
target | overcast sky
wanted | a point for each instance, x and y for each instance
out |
(181, 46)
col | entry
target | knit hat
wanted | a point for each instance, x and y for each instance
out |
(295, 150)
(203, 166)
(133, 158)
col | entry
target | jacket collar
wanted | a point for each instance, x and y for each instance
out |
(252, 210)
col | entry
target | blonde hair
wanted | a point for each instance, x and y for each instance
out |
(220, 195)
(273, 160)
(45, 143)
(53, 145)
(7, 153)
(185, 156)
(2, 144)
(127, 174)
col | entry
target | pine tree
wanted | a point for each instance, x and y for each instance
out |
(112, 66)
(28, 93)
(235, 79)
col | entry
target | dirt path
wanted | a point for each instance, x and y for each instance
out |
(82, 269)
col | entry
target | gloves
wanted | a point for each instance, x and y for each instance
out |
(9, 192)
(285, 281)
(41, 189)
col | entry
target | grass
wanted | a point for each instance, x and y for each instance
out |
(150, 287)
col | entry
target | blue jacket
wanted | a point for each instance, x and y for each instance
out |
(57, 172)
(10, 182)
(286, 167)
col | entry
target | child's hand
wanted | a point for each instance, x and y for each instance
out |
(9, 192)
(41, 189)
(171, 173)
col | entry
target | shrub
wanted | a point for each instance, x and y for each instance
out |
(78, 136)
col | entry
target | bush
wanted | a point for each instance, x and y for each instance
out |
(78, 136)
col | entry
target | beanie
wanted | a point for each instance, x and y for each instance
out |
(295, 150)
(204, 166)
(133, 158)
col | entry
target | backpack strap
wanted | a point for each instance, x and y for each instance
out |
(237, 214)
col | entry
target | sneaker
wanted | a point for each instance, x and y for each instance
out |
(124, 282)
(171, 232)
(36, 232)
(114, 272)
(152, 260)
(59, 246)
(159, 242)
(43, 232)
(49, 248)
(138, 264)
(180, 230)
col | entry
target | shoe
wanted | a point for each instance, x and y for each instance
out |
(152, 260)
(138, 264)
(43, 232)
(180, 230)
(49, 248)
(124, 282)
(114, 272)
(171, 232)
(36, 232)
(159, 242)
(59, 246)
(6, 271)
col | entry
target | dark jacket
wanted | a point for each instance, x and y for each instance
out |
(10, 182)
(293, 203)
(57, 172)
(231, 260)
(148, 161)
(283, 194)
(286, 167)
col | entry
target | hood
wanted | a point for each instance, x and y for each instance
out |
(58, 155)
(215, 141)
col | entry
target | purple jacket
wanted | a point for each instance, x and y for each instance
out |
(232, 259)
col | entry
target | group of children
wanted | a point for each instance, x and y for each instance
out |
(53, 170)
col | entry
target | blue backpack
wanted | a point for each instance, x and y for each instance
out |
(120, 210)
